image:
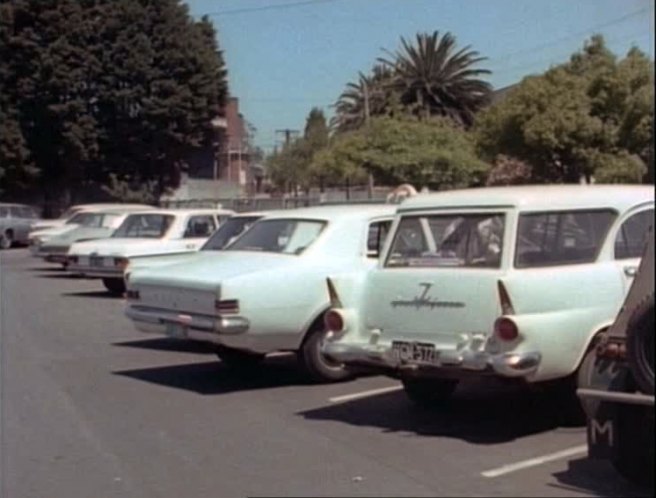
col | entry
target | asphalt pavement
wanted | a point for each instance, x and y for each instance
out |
(91, 408)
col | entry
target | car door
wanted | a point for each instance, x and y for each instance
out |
(629, 242)
(21, 222)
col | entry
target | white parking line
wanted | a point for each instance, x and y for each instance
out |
(365, 394)
(532, 462)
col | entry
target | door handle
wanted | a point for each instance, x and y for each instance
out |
(630, 271)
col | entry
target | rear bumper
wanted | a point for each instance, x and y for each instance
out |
(382, 359)
(95, 271)
(207, 328)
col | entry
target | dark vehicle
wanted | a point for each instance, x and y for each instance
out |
(616, 384)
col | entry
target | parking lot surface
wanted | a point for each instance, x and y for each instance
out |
(92, 408)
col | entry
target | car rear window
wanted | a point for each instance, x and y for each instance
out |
(561, 237)
(448, 240)
(228, 231)
(149, 226)
(288, 236)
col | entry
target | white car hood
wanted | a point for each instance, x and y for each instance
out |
(47, 224)
(53, 231)
(211, 267)
(121, 247)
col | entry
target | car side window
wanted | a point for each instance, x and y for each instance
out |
(632, 235)
(561, 238)
(200, 226)
(376, 235)
(4, 212)
(15, 212)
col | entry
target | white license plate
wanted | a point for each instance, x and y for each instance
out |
(414, 352)
(176, 330)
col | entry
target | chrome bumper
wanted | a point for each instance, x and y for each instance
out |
(192, 326)
(95, 271)
(381, 357)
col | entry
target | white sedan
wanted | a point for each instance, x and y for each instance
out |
(265, 292)
(157, 231)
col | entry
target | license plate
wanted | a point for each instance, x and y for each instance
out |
(414, 352)
(176, 330)
(95, 261)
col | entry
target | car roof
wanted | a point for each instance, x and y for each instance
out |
(184, 211)
(336, 211)
(535, 197)
(13, 204)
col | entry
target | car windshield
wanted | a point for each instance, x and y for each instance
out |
(149, 226)
(453, 240)
(92, 220)
(228, 232)
(286, 236)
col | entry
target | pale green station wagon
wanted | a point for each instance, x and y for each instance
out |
(512, 282)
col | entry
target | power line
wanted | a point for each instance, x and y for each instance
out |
(573, 35)
(266, 7)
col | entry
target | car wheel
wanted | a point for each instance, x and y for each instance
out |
(114, 285)
(429, 393)
(6, 240)
(238, 359)
(318, 366)
(640, 345)
(634, 457)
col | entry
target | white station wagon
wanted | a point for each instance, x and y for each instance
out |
(157, 231)
(265, 292)
(512, 282)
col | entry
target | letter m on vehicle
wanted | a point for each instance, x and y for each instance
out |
(601, 438)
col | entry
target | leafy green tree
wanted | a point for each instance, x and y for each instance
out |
(591, 117)
(93, 87)
(289, 168)
(433, 79)
(432, 153)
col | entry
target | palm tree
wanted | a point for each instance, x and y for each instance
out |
(371, 95)
(433, 80)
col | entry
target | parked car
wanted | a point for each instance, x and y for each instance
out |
(52, 244)
(158, 231)
(66, 215)
(229, 230)
(264, 292)
(510, 282)
(616, 382)
(16, 220)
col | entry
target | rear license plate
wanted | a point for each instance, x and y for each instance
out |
(95, 261)
(415, 352)
(176, 330)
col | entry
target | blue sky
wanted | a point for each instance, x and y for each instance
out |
(286, 56)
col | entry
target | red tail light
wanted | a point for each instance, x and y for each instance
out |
(122, 263)
(505, 329)
(612, 350)
(333, 321)
(227, 306)
(132, 294)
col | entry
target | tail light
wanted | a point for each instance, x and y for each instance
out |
(612, 350)
(227, 306)
(132, 294)
(333, 321)
(121, 263)
(505, 329)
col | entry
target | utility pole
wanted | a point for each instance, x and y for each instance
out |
(288, 134)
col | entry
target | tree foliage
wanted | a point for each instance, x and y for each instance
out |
(289, 168)
(590, 117)
(428, 78)
(93, 87)
(431, 153)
